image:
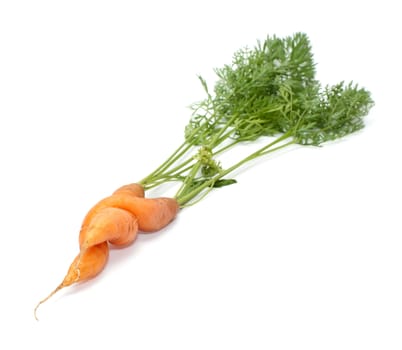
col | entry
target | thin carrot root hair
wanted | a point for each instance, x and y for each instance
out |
(60, 286)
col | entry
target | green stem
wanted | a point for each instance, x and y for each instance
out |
(149, 180)
(184, 198)
(218, 138)
(188, 180)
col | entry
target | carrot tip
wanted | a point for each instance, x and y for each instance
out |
(47, 298)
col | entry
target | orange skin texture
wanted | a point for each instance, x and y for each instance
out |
(117, 226)
(87, 264)
(134, 189)
(109, 224)
(152, 213)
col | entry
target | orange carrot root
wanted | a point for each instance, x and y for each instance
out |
(115, 219)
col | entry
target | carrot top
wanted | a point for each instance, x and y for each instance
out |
(268, 91)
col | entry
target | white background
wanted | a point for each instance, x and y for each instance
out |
(303, 253)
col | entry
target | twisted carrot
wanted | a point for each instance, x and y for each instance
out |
(116, 220)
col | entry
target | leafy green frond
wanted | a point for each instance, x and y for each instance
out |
(339, 110)
(269, 90)
(249, 92)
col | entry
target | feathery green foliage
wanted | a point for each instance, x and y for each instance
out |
(267, 91)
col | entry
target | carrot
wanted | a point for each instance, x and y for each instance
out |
(116, 220)
(269, 91)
